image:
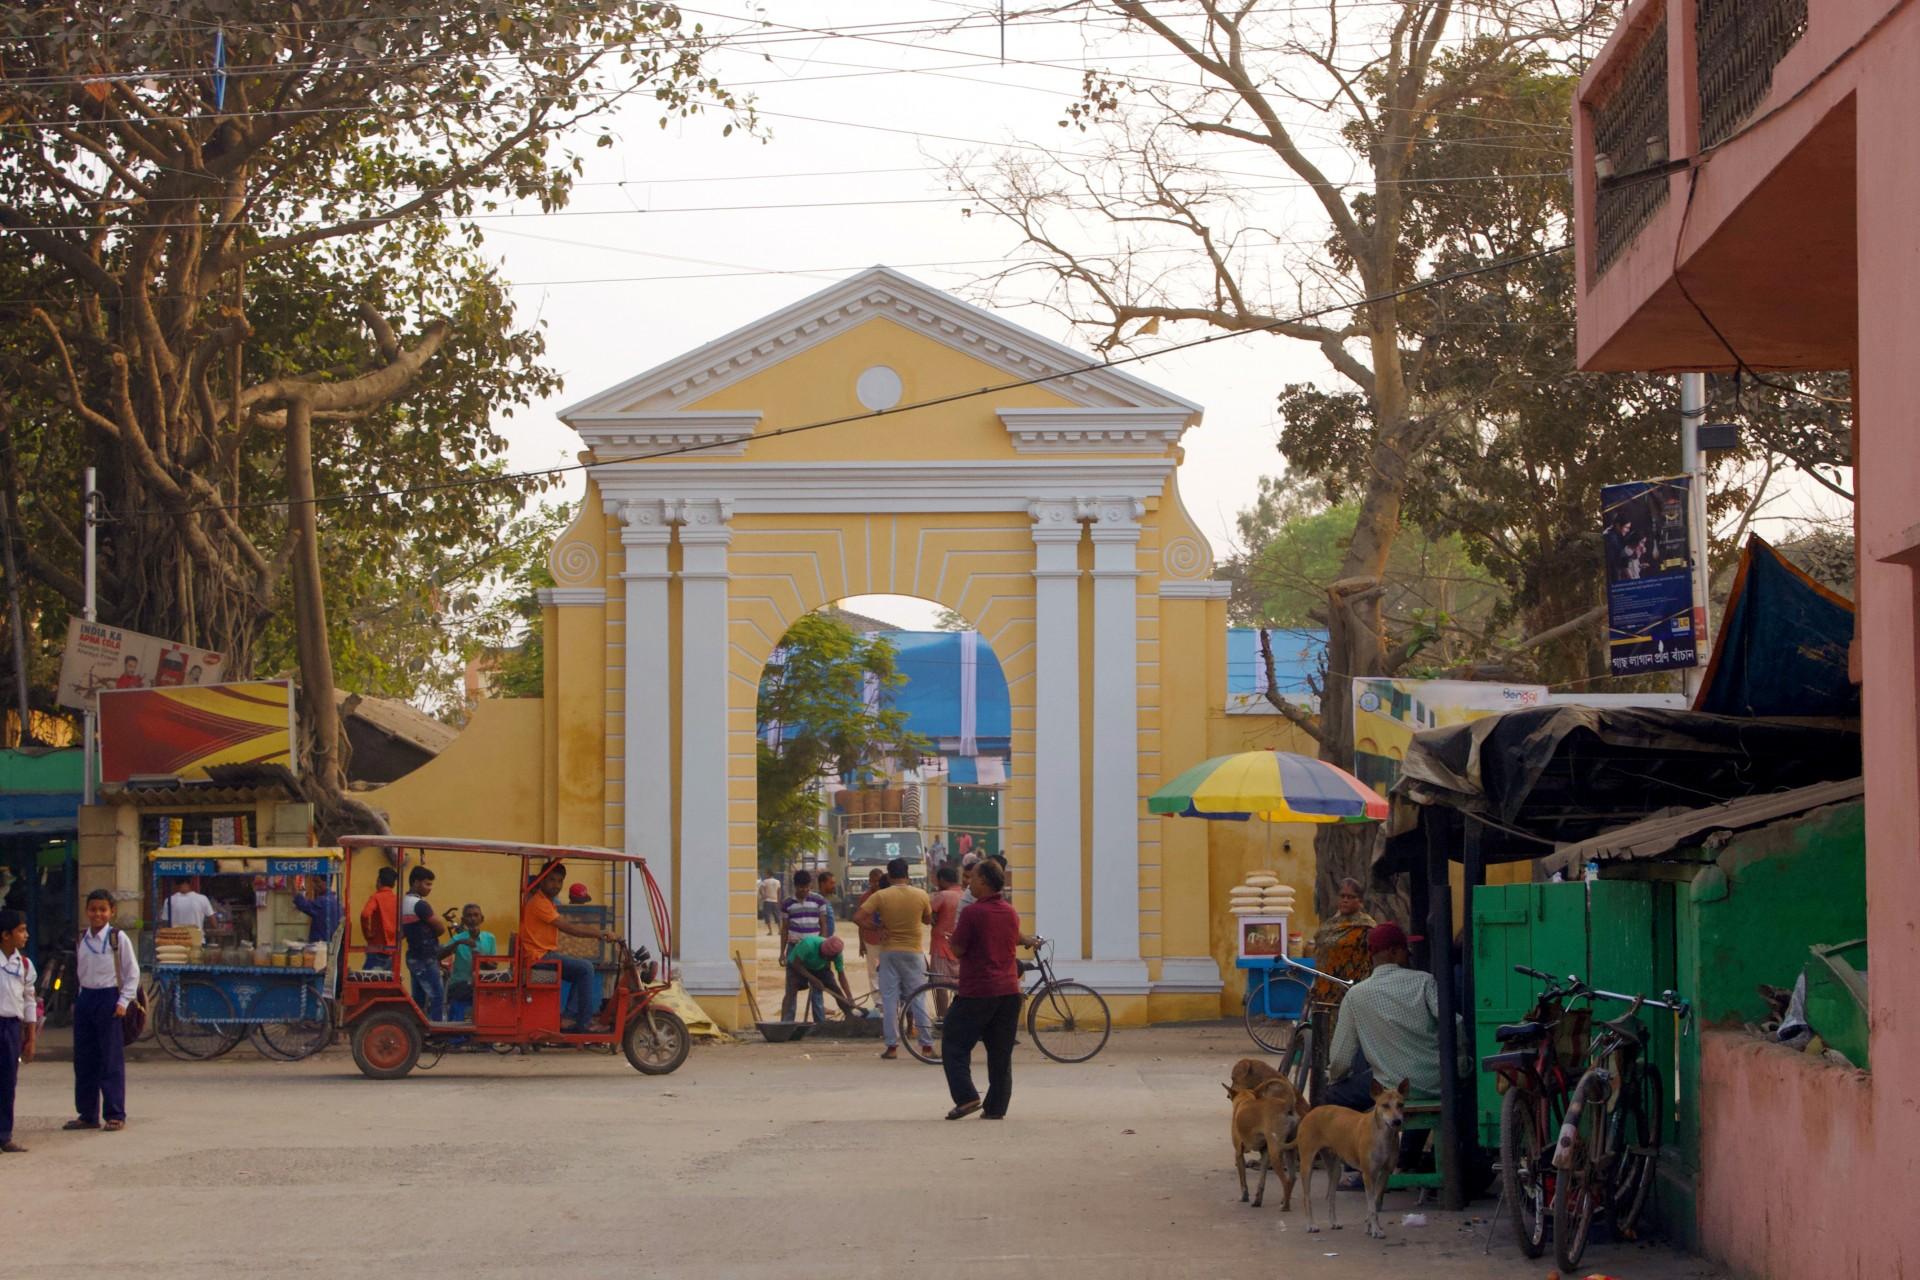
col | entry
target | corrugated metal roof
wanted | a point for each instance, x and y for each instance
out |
(1679, 828)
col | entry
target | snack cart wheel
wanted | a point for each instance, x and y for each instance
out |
(386, 1045)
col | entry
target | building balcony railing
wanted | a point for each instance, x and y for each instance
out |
(1629, 135)
(1740, 42)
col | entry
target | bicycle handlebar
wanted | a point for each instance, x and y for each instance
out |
(1291, 963)
(1575, 988)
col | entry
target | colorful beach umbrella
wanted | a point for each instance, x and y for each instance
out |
(1276, 786)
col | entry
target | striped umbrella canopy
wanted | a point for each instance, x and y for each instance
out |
(1276, 786)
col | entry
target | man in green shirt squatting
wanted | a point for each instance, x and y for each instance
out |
(812, 963)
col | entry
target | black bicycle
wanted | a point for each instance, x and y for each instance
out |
(1610, 1136)
(1068, 1021)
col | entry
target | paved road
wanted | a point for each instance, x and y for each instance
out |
(753, 1160)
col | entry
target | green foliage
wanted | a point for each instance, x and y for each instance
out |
(814, 690)
(316, 235)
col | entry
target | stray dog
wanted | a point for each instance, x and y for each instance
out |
(1264, 1119)
(1368, 1140)
(1249, 1073)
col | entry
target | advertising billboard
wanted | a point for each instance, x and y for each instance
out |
(1387, 713)
(179, 732)
(100, 657)
(1646, 531)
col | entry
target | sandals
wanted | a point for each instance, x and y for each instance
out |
(77, 1123)
(964, 1109)
(891, 1052)
(115, 1126)
(12, 1148)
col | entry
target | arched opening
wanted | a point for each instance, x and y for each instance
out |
(884, 730)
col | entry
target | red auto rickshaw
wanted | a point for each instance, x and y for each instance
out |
(515, 1002)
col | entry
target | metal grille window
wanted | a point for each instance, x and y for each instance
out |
(1740, 43)
(1630, 134)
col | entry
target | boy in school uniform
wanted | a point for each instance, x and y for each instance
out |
(109, 976)
(17, 1023)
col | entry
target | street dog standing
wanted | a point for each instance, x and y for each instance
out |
(1367, 1140)
(1250, 1072)
(1264, 1118)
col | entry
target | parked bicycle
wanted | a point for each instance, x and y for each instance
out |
(1289, 1013)
(1536, 1066)
(1066, 1020)
(1609, 1139)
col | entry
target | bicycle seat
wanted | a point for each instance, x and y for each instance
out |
(1628, 1026)
(1517, 1031)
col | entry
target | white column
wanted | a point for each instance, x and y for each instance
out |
(706, 968)
(1056, 728)
(1116, 746)
(647, 806)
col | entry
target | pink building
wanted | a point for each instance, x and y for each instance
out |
(1752, 167)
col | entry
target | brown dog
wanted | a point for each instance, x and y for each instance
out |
(1264, 1118)
(1249, 1073)
(1367, 1140)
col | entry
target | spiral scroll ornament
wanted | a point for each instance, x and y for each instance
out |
(1185, 558)
(574, 564)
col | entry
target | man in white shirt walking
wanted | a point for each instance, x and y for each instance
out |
(187, 908)
(109, 976)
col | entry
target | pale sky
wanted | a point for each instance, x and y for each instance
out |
(676, 236)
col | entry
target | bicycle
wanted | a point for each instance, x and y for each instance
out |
(1605, 1156)
(1535, 1081)
(1284, 1016)
(1066, 1020)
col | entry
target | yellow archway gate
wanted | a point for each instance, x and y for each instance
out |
(1046, 510)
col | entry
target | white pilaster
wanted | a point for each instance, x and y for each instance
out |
(1056, 726)
(1116, 746)
(648, 767)
(703, 926)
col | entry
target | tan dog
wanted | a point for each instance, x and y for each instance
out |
(1367, 1140)
(1249, 1073)
(1264, 1118)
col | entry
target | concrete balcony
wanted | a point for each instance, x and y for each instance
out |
(1715, 172)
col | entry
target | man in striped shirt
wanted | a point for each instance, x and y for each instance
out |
(802, 915)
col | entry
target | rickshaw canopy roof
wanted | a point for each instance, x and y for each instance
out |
(511, 848)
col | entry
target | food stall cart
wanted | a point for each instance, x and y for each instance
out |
(250, 971)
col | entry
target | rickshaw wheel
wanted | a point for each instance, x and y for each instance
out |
(657, 1041)
(386, 1045)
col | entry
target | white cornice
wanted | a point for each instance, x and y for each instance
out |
(1195, 589)
(571, 595)
(1142, 430)
(617, 436)
(795, 487)
(875, 292)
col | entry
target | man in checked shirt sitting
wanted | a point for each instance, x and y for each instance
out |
(1388, 1028)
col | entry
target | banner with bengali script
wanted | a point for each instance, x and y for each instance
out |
(1647, 535)
(99, 657)
(180, 732)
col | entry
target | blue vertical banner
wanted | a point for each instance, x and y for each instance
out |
(1649, 560)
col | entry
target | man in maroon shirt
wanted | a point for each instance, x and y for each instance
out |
(987, 1004)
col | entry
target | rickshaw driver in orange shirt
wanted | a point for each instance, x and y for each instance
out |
(540, 930)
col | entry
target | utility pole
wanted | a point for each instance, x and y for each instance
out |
(91, 734)
(1693, 411)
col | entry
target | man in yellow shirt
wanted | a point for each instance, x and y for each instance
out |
(901, 912)
(540, 930)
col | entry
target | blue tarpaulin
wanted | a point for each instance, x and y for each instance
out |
(1782, 648)
(933, 664)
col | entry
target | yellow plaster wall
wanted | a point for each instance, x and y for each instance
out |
(487, 785)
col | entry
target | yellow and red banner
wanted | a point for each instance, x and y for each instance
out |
(180, 732)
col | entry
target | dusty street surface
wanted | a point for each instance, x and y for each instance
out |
(753, 1160)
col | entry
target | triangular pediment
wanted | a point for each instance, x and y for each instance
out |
(876, 293)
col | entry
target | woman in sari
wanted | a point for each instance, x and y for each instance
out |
(1340, 944)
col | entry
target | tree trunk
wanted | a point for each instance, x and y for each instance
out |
(325, 772)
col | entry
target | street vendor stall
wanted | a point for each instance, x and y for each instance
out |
(251, 969)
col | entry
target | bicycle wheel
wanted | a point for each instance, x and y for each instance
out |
(1069, 1021)
(200, 1037)
(1577, 1190)
(1275, 1005)
(909, 1035)
(292, 1041)
(1525, 1176)
(1635, 1137)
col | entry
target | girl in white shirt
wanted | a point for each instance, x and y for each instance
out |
(17, 1022)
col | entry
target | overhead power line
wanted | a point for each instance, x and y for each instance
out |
(514, 477)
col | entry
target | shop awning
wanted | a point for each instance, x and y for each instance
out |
(39, 813)
(1689, 828)
(1782, 647)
